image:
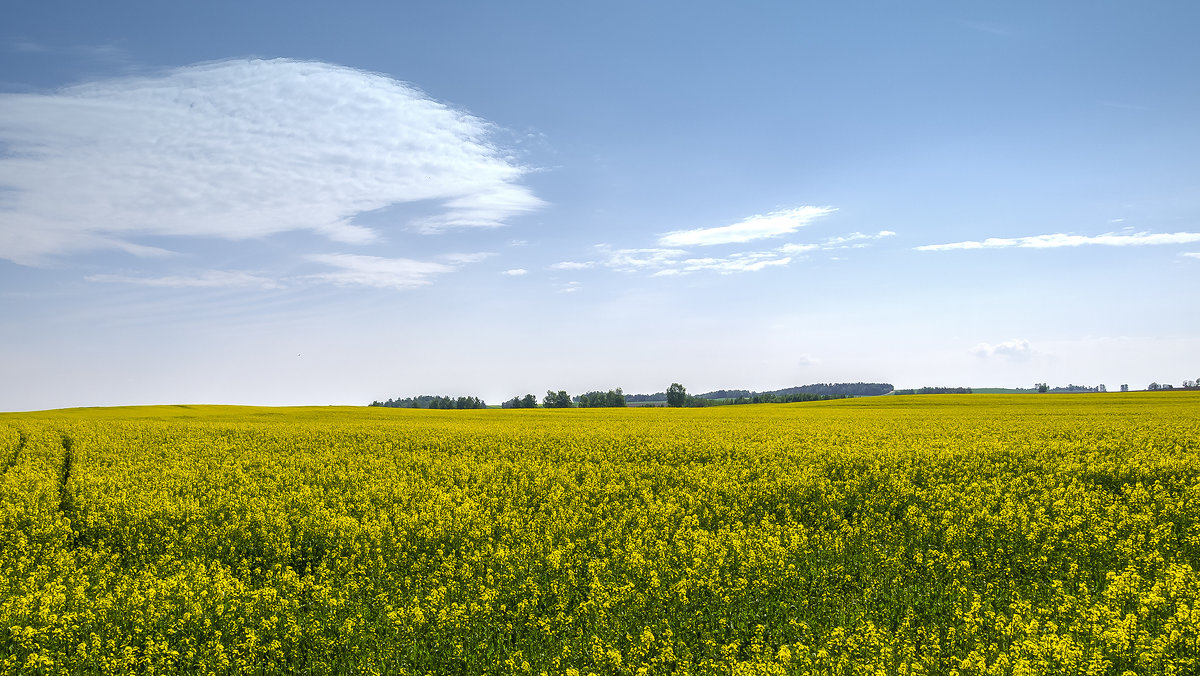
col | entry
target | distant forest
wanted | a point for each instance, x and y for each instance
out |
(840, 390)
(676, 395)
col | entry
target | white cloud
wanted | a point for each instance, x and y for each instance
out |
(1063, 240)
(744, 262)
(629, 260)
(460, 258)
(380, 273)
(1191, 254)
(569, 287)
(515, 272)
(573, 265)
(773, 224)
(798, 248)
(1015, 348)
(240, 149)
(855, 240)
(665, 262)
(204, 279)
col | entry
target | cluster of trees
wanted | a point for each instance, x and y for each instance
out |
(610, 399)
(1187, 385)
(431, 401)
(677, 396)
(559, 399)
(1043, 387)
(935, 390)
(527, 401)
(595, 399)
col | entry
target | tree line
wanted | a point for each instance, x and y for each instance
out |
(676, 395)
(836, 390)
(560, 399)
(432, 401)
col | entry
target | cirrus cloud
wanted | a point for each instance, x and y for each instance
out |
(376, 271)
(205, 279)
(1057, 240)
(761, 226)
(240, 149)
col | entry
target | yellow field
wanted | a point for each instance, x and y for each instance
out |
(936, 534)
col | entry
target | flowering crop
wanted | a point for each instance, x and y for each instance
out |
(948, 534)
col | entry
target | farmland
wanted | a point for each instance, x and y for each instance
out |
(943, 534)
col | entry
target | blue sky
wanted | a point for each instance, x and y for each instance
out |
(292, 203)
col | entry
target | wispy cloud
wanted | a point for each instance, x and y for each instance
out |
(855, 240)
(377, 272)
(461, 258)
(751, 261)
(203, 279)
(573, 265)
(665, 262)
(25, 46)
(1015, 348)
(631, 260)
(240, 149)
(1063, 240)
(1191, 254)
(350, 270)
(774, 224)
(515, 272)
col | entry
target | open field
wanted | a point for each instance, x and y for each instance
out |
(919, 534)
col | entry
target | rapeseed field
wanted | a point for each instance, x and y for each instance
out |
(974, 534)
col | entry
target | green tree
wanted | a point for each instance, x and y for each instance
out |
(559, 399)
(676, 395)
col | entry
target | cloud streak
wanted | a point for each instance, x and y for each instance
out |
(1059, 240)
(208, 279)
(665, 262)
(377, 272)
(774, 224)
(237, 150)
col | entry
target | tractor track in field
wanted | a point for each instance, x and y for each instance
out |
(66, 502)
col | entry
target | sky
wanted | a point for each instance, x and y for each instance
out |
(305, 203)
